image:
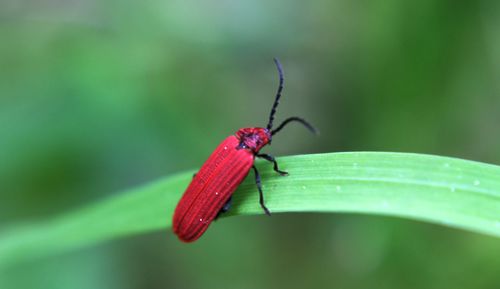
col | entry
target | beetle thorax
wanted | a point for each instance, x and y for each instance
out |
(253, 138)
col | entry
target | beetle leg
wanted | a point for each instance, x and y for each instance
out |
(194, 175)
(261, 195)
(226, 207)
(273, 160)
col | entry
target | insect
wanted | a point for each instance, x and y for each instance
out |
(209, 193)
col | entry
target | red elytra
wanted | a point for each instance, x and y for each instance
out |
(210, 191)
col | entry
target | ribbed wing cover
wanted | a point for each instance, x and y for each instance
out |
(211, 188)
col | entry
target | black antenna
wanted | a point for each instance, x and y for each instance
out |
(297, 119)
(278, 95)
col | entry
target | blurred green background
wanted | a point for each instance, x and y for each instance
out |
(98, 97)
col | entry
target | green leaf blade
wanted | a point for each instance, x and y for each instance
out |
(448, 191)
(441, 190)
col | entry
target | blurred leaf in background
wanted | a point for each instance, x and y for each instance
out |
(97, 97)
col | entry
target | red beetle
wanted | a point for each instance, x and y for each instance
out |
(209, 193)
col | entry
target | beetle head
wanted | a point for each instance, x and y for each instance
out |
(253, 138)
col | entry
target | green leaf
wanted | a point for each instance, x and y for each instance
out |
(447, 191)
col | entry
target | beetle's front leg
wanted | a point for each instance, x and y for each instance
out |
(275, 163)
